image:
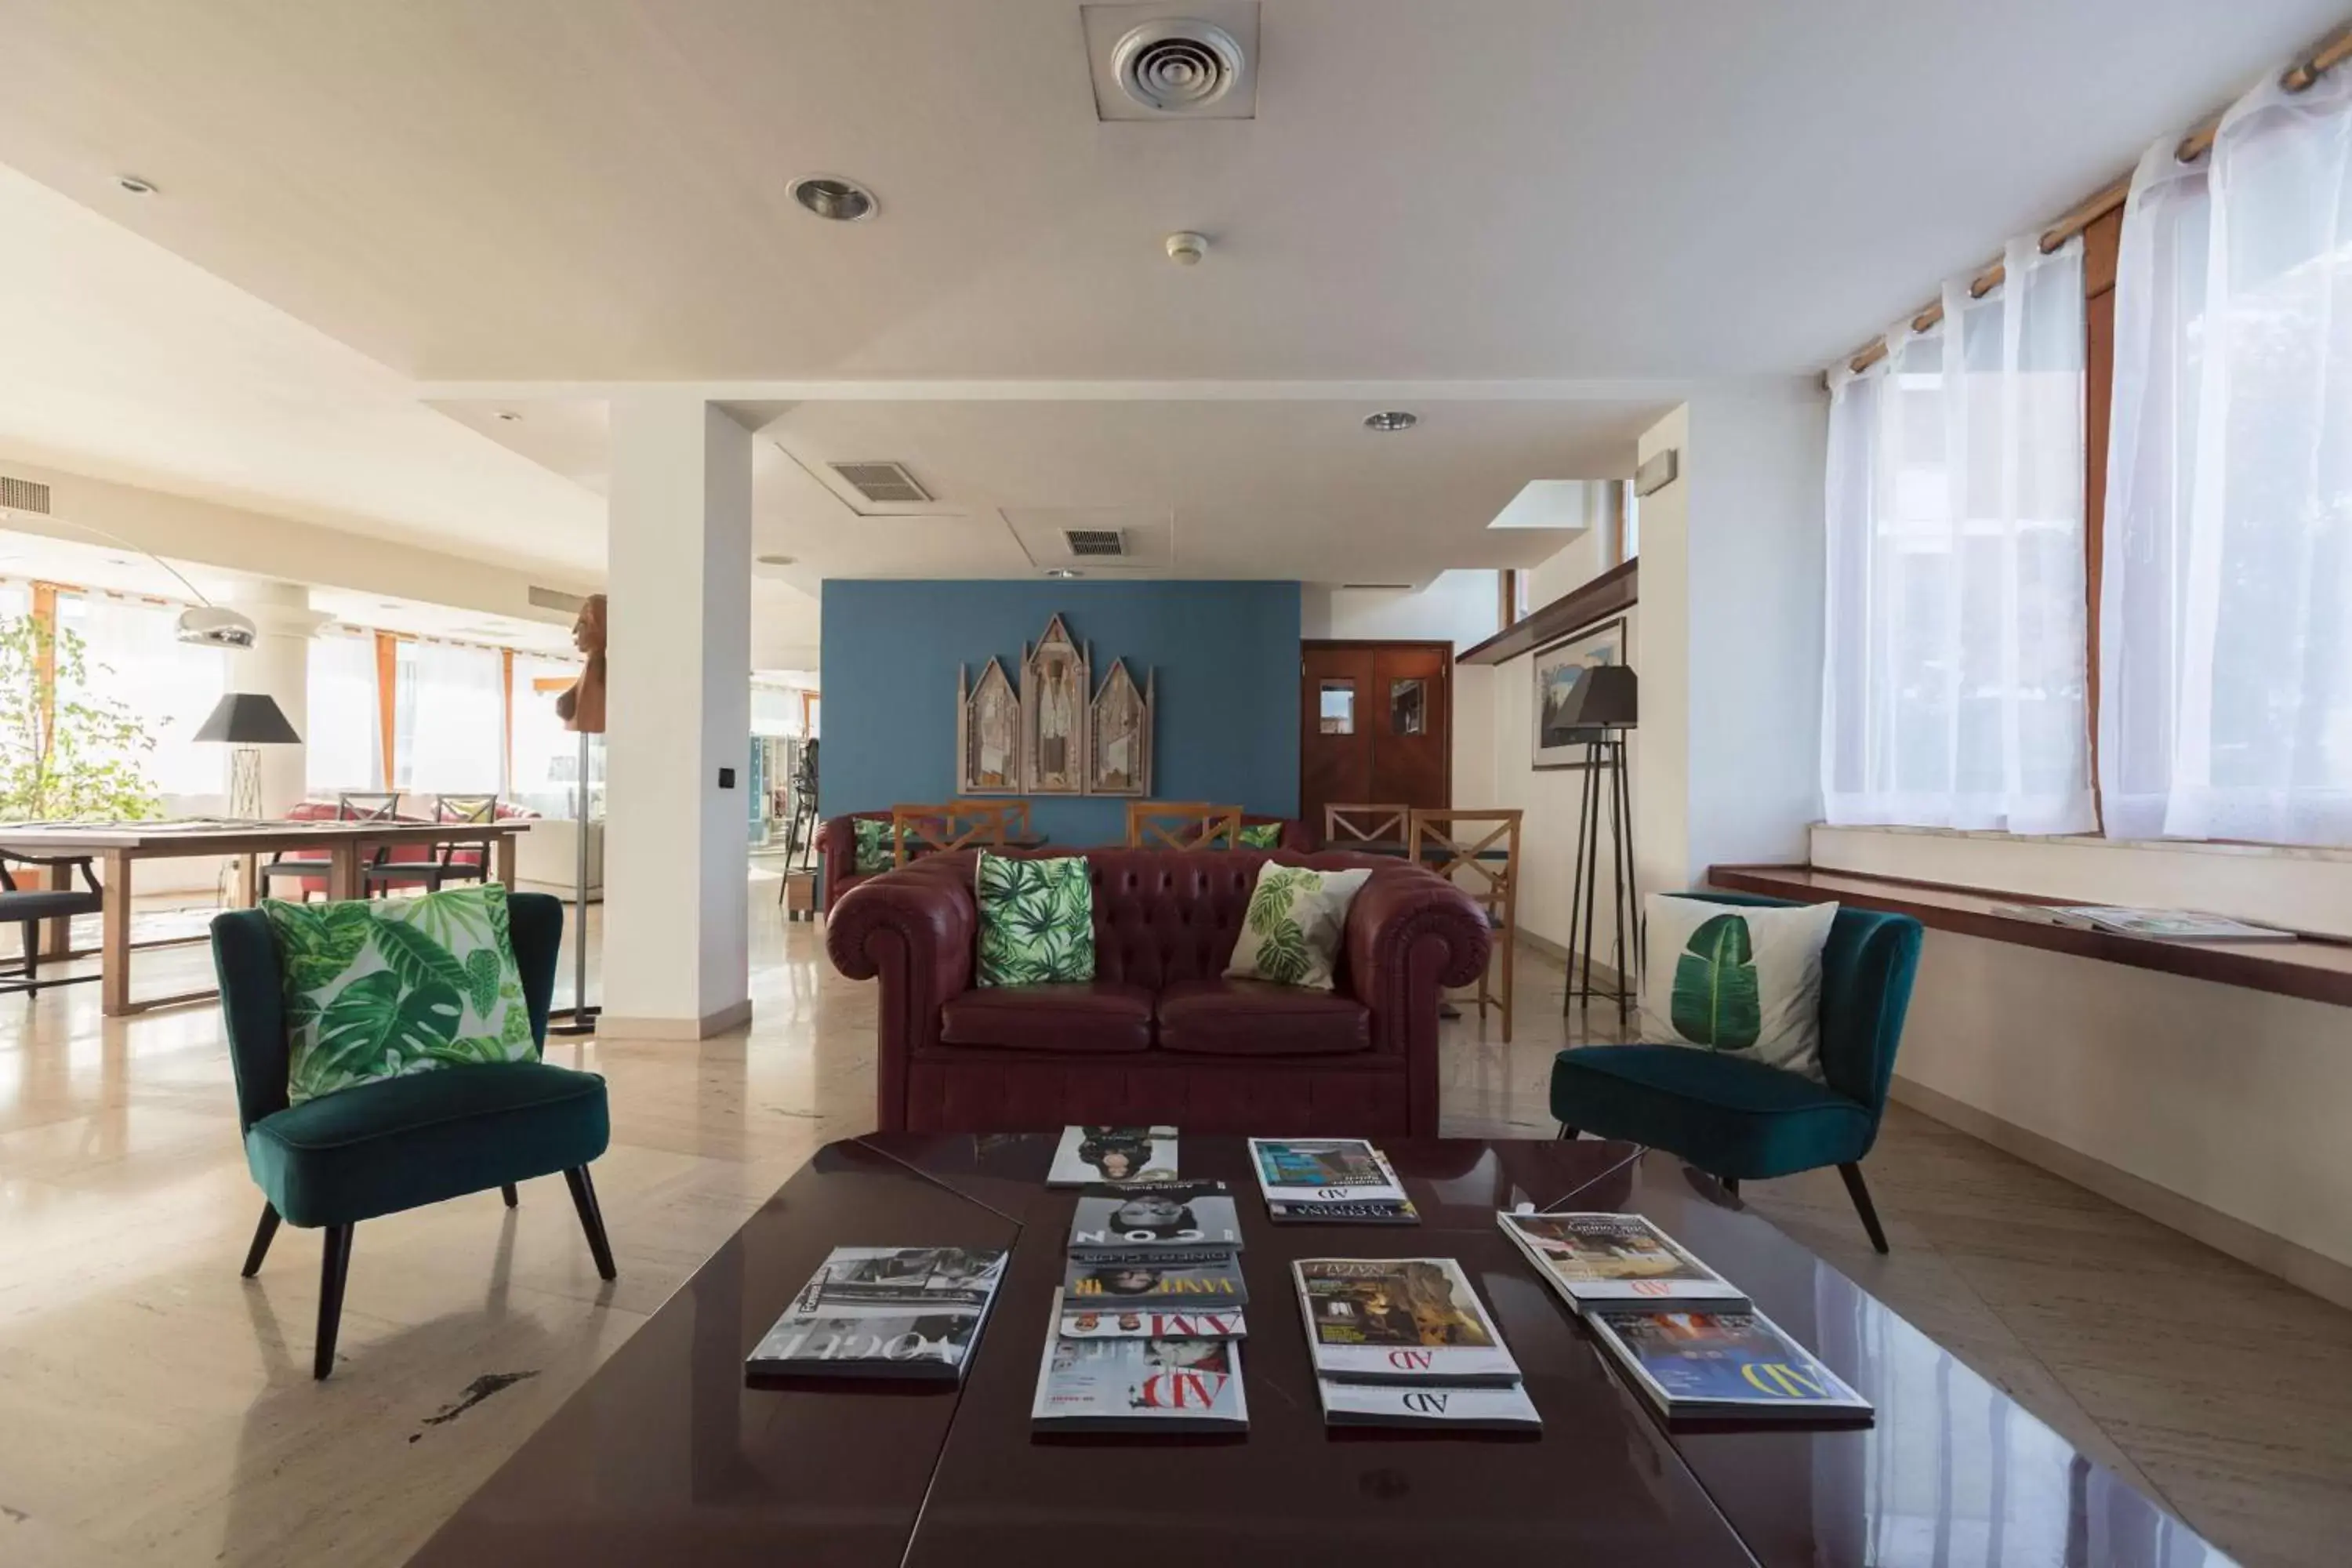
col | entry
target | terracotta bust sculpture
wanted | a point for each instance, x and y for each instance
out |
(582, 709)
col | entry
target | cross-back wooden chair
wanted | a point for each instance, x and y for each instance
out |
(1366, 828)
(916, 830)
(1478, 851)
(1182, 825)
(465, 862)
(1012, 815)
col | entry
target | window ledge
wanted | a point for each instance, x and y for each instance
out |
(2229, 846)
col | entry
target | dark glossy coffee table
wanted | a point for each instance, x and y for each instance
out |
(664, 1455)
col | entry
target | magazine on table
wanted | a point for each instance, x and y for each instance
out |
(883, 1312)
(1110, 1322)
(1725, 1365)
(1343, 1210)
(1116, 1154)
(1138, 1384)
(1463, 1407)
(1323, 1170)
(1597, 1261)
(1398, 1320)
(1163, 1215)
(2172, 925)
(1195, 1279)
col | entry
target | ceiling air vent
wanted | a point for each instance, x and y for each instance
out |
(556, 599)
(1095, 540)
(1177, 66)
(24, 495)
(883, 484)
(1193, 60)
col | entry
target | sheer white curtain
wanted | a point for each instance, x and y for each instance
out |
(134, 656)
(2226, 597)
(342, 740)
(546, 754)
(1955, 684)
(449, 725)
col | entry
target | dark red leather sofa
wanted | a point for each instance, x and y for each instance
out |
(1159, 1035)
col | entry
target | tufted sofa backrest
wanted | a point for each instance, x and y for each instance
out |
(1163, 915)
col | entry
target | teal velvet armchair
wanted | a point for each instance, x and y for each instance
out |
(380, 1148)
(1737, 1119)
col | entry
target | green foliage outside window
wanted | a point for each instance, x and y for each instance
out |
(66, 755)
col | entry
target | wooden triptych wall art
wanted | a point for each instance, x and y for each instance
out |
(1058, 735)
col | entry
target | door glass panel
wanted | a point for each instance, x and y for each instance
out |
(1408, 707)
(1339, 708)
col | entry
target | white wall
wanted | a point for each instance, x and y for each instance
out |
(1461, 607)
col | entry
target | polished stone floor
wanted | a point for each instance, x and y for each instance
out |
(156, 1409)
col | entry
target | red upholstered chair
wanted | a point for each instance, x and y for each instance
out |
(1160, 1034)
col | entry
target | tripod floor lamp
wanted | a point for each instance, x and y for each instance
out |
(1602, 709)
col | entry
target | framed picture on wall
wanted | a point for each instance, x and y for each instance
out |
(1559, 670)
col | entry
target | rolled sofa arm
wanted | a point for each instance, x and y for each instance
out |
(913, 928)
(836, 850)
(1406, 917)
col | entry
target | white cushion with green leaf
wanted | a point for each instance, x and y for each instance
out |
(1743, 980)
(382, 989)
(1291, 931)
(1036, 921)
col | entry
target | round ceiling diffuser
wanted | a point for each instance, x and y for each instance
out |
(1177, 65)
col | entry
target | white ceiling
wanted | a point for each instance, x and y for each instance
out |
(596, 189)
(1201, 487)
(363, 204)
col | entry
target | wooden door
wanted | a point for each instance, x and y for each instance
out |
(1375, 725)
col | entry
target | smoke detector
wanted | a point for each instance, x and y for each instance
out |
(1149, 63)
(1185, 247)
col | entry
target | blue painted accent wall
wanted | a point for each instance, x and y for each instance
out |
(1227, 654)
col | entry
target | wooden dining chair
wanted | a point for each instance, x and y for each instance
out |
(471, 861)
(350, 805)
(1005, 820)
(1478, 851)
(919, 830)
(1374, 829)
(1182, 825)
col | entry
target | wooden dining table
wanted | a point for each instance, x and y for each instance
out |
(345, 847)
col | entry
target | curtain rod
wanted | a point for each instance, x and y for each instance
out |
(2297, 78)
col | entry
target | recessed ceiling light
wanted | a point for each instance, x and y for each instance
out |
(1063, 572)
(134, 185)
(1391, 420)
(831, 196)
(509, 415)
(776, 560)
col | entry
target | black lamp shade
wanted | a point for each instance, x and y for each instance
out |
(1604, 700)
(248, 719)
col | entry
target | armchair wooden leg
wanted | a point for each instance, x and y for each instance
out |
(1567, 1134)
(1731, 1184)
(1852, 1171)
(263, 1235)
(334, 1264)
(508, 1192)
(592, 1220)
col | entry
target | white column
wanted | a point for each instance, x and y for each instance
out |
(676, 843)
(279, 664)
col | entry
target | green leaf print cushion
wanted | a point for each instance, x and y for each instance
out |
(1036, 921)
(1261, 835)
(875, 852)
(1290, 932)
(378, 989)
(1739, 979)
